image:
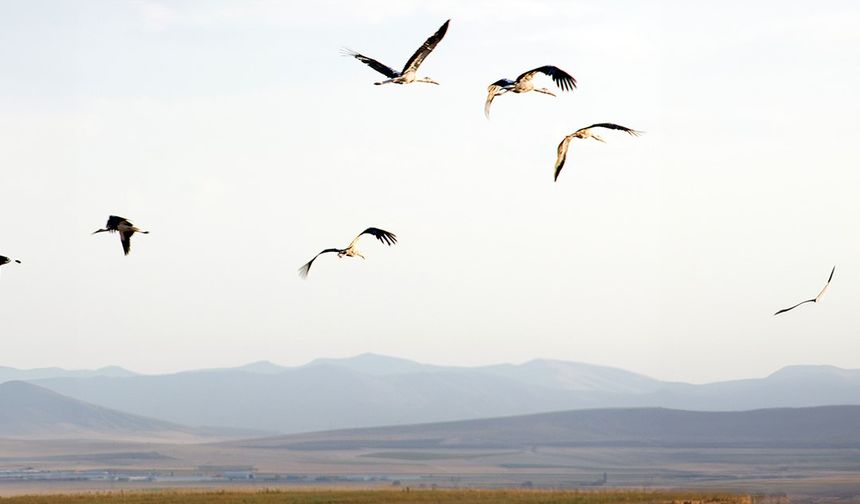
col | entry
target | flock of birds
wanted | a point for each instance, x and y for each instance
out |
(524, 83)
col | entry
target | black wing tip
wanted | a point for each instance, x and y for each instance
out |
(443, 29)
(17, 261)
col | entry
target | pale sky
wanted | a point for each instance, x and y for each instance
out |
(237, 135)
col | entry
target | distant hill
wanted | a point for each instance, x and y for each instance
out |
(32, 412)
(820, 427)
(370, 390)
(12, 374)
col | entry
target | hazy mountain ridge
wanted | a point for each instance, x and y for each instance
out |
(370, 390)
(821, 427)
(31, 412)
(13, 374)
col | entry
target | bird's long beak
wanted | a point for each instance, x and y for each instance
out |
(17, 261)
(99, 231)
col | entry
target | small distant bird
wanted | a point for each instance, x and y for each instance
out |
(815, 300)
(407, 75)
(351, 251)
(125, 229)
(585, 133)
(524, 84)
(6, 260)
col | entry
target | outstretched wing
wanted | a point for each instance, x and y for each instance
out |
(562, 155)
(114, 221)
(493, 90)
(625, 129)
(303, 271)
(825, 285)
(562, 79)
(372, 63)
(425, 49)
(795, 306)
(380, 234)
(125, 238)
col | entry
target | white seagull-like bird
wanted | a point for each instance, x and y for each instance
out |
(407, 75)
(351, 250)
(585, 133)
(125, 229)
(815, 300)
(524, 84)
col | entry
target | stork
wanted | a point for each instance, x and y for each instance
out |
(524, 84)
(6, 260)
(585, 133)
(407, 75)
(125, 229)
(351, 250)
(815, 299)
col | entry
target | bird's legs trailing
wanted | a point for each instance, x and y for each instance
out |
(544, 91)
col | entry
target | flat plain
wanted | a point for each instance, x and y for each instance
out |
(350, 496)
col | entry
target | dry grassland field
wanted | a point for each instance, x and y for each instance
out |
(385, 496)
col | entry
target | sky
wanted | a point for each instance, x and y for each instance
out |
(239, 137)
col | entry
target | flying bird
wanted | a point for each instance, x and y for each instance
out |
(351, 250)
(524, 84)
(125, 229)
(585, 133)
(407, 75)
(6, 260)
(815, 300)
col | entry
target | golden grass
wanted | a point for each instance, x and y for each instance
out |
(382, 496)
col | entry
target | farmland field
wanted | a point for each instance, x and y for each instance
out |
(384, 496)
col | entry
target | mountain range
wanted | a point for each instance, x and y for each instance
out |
(820, 427)
(371, 390)
(28, 411)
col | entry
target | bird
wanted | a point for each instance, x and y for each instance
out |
(125, 229)
(524, 84)
(585, 133)
(814, 300)
(407, 75)
(6, 260)
(351, 250)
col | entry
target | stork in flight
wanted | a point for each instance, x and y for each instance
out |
(6, 260)
(815, 300)
(351, 250)
(407, 75)
(585, 133)
(125, 229)
(524, 84)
